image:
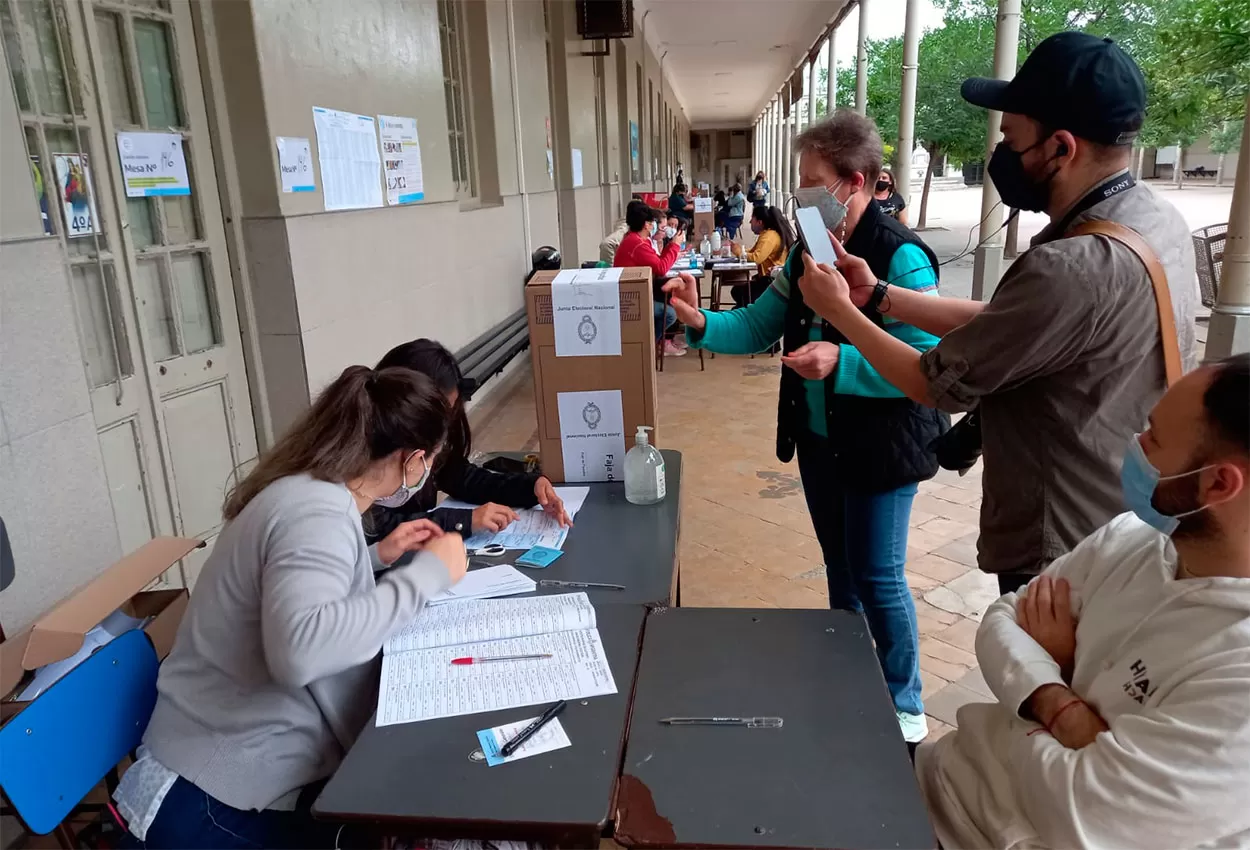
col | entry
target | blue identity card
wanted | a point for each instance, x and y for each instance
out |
(539, 557)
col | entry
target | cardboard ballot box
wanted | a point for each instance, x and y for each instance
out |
(704, 220)
(60, 633)
(590, 401)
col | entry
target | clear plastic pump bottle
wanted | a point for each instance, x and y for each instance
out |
(644, 471)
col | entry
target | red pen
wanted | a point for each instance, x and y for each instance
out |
(489, 658)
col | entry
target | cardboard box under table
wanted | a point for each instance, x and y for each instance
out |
(59, 633)
(632, 373)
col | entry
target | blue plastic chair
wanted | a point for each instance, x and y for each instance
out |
(68, 739)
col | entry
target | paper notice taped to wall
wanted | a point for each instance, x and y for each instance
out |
(351, 166)
(592, 435)
(586, 311)
(295, 164)
(401, 159)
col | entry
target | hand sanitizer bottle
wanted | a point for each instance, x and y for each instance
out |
(644, 471)
(705, 247)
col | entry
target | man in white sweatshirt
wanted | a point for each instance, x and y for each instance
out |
(1123, 672)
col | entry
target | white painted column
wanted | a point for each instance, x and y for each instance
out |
(779, 155)
(787, 136)
(813, 74)
(771, 168)
(831, 87)
(1230, 319)
(861, 61)
(987, 265)
(907, 101)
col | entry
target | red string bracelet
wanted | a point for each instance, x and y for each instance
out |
(1064, 708)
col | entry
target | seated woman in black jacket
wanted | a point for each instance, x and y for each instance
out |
(496, 492)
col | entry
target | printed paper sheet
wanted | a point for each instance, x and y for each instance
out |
(295, 164)
(586, 310)
(419, 682)
(347, 145)
(550, 737)
(153, 164)
(401, 159)
(424, 684)
(592, 435)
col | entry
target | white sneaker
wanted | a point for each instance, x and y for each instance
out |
(915, 727)
(671, 350)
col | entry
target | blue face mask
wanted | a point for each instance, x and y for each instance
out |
(1139, 479)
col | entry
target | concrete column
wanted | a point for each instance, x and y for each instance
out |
(813, 74)
(772, 150)
(907, 101)
(755, 146)
(794, 158)
(987, 266)
(1230, 319)
(778, 145)
(831, 87)
(861, 61)
(787, 138)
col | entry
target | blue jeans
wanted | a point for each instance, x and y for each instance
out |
(190, 819)
(863, 537)
(669, 316)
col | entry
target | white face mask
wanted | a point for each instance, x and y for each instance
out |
(670, 232)
(405, 492)
(832, 210)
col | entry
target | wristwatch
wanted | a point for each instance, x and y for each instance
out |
(878, 295)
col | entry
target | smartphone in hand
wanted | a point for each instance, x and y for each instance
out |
(815, 235)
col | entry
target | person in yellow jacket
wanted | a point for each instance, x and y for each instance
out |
(773, 238)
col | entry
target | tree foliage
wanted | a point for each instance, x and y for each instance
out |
(1194, 54)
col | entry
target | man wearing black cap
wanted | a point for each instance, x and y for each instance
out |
(1066, 359)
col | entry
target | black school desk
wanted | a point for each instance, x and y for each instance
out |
(417, 779)
(615, 542)
(835, 775)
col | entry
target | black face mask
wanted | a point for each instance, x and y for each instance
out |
(884, 186)
(1014, 185)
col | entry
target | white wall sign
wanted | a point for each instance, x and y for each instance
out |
(592, 435)
(577, 167)
(73, 186)
(401, 159)
(153, 164)
(586, 311)
(295, 164)
(347, 147)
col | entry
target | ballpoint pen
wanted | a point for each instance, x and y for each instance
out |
(748, 722)
(551, 582)
(487, 658)
(528, 732)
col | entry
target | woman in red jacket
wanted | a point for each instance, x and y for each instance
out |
(637, 249)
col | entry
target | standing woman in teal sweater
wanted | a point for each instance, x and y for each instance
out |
(862, 446)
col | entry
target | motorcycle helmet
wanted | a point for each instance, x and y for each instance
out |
(545, 258)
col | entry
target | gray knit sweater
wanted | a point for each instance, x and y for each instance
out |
(274, 671)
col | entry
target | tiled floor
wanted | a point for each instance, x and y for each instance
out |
(746, 537)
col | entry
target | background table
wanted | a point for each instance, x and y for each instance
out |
(417, 778)
(615, 542)
(836, 774)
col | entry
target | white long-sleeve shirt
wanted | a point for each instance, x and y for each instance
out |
(1164, 661)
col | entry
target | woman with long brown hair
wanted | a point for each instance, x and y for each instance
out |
(274, 672)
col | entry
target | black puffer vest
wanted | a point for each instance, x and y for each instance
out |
(877, 444)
